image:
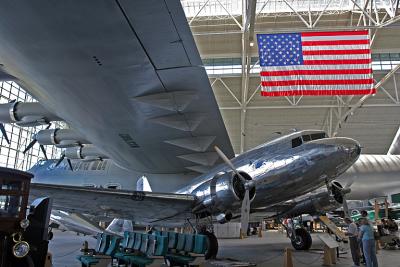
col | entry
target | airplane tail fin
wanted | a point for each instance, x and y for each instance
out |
(143, 184)
(119, 226)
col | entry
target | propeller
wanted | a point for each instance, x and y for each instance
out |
(34, 141)
(344, 191)
(245, 209)
(61, 159)
(4, 133)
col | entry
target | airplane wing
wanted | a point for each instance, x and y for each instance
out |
(147, 208)
(125, 75)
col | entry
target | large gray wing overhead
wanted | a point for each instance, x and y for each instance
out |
(141, 207)
(126, 75)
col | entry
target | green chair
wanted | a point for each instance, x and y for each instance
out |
(161, 246)
(100, 248)
(138, 241)
(184, 246)
(157, 247)
(180, 245)
(189, 250)
(136, 258)
(200, 244)
(107, 248)
(172, 240)
(127, 249)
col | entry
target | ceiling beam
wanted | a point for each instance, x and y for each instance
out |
(248, 20)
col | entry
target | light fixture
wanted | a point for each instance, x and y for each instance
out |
(251, 43)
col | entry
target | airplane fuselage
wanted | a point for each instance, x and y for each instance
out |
(282, 169)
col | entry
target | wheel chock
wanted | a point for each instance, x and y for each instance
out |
(288, 260)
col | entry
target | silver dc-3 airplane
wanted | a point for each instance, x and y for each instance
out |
(255, 182)
(128, 80)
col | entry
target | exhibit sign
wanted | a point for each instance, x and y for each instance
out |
(316, 63)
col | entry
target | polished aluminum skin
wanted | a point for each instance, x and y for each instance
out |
(279, 169)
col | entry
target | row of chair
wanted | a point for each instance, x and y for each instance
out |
(184, 249)
(106, 246)
(142, 249)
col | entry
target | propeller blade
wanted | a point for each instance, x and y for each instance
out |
(229, 163)
(43, 151)
(31, 144)
(3, 131)
(70, 164)
(245, 213)
(60, 160)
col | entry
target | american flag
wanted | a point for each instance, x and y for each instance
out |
(315, 63)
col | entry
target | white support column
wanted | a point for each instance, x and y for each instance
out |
(248, 20)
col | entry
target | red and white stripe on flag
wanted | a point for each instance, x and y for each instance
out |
(316, 63)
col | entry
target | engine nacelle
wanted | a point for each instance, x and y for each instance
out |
(86, 153)
(61, 138)
(318, 202)
(26, 114)
(221, 195)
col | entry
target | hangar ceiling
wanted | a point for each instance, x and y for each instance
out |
(224, 31)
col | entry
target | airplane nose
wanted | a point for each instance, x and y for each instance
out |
(351, 147)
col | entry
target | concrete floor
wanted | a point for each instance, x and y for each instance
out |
(265, 251)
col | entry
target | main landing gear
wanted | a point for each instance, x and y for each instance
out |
(212, 245)
(299, 236)
(207, 229)
(301, 239)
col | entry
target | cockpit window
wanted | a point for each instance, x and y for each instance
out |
(296, 142)
(317, 136)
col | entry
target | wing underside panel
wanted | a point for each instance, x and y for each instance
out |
(141, 207)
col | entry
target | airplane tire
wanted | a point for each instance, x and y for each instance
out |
(303, 239)
(212, 245)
